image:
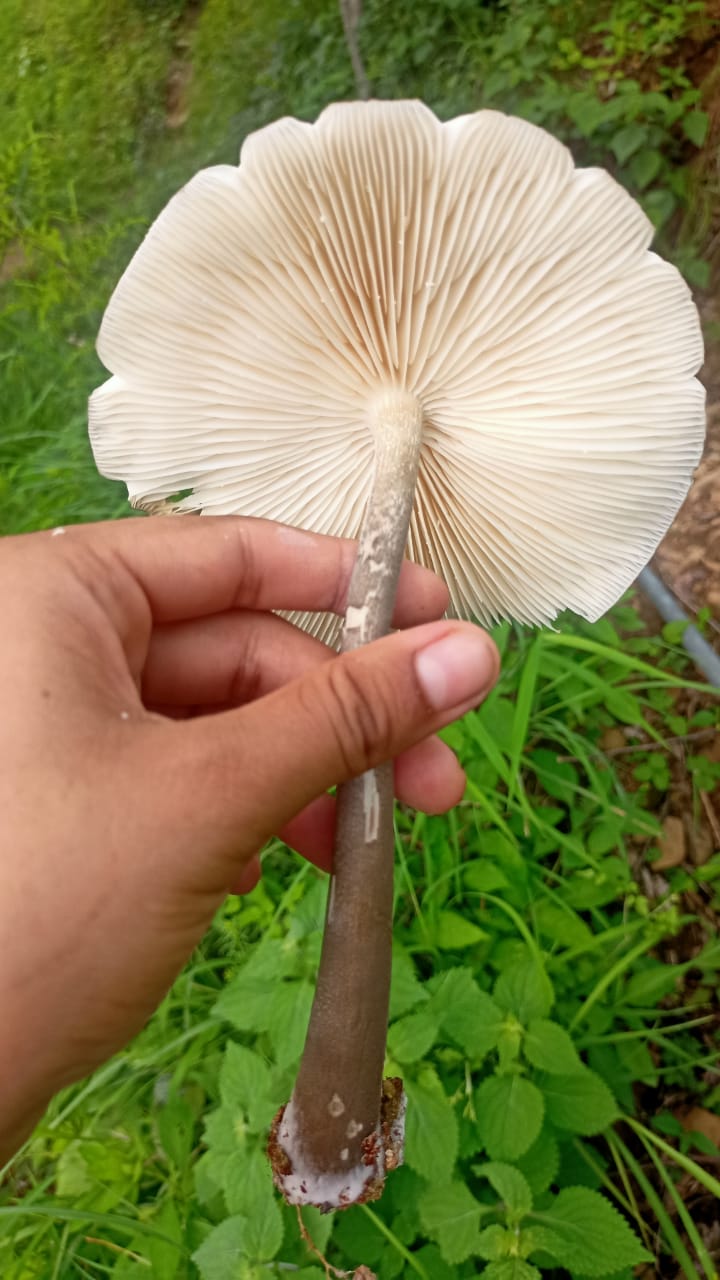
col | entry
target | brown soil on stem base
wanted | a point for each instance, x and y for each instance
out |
(382, 1151)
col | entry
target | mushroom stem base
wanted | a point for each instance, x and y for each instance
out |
(382, 1151)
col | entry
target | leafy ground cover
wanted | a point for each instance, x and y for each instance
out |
(554, 1007)
(544, 1041)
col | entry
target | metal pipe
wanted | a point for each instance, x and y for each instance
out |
(702, 654)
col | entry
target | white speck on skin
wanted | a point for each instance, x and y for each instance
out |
(124, 715)
(371, 806)
(353, 1129)
(336, 1106)
(57, 532)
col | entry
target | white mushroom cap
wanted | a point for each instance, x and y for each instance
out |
(468, 263)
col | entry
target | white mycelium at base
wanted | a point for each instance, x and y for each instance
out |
(306, 1186)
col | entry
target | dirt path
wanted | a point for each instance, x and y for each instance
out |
(689, 557)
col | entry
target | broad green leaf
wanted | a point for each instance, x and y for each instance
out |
(627, 141)
(580, 1102)
(695, 127)
(586, 111)
(584, 1233)
(466, 1013)
(245, 1002)
(269, 961)
(564, 927)
(502, 847)
(318, 1225)
(431, 1130)
(509, 1115)
(406, 990)
(494, 1242)
(581, 1165)
(540, 1163)
(431, 1259)
(162, 1255)
(509, 1042)
(358, 1237)
(451, 1215)
(264, 1230)
(649, 985)
(523, 988)
(400, 1200)
(605, 836)
(484, 876)
(73, 1178)
(412, 1036)
(511, 1269)
(452, 932)
(560, 779)
(595, 888)
(247, 1182)
(245, 1083)
(288, 1017)
(624, 706)
(659, 204)
(222, 1254)
(225, 1131)
(511, 1186)
(247, 1009)
(307, 917)
(548, 1046)
(176, 1127)
(645, 166)
(104, 1173)
(497, 716)
(638, 1061)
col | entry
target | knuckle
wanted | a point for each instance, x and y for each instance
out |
(360, 716)
(245, 683)
(246, 568)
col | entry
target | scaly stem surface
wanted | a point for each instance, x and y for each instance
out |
(335, 1105)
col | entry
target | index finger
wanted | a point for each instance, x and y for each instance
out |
(190, 567)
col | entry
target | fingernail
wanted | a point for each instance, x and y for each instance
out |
(457, 670)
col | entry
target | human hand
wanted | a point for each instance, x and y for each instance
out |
(159, 725)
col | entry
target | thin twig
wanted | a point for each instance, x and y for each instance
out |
(351, 12)
(117, 1248)
(329, 1269)
(699, 735)
(712, 817)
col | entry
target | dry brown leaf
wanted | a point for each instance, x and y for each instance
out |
(700, 1120)
(672, 844)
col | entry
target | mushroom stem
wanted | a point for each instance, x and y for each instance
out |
(331, 1131)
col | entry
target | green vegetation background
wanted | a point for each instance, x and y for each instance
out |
(529, 981)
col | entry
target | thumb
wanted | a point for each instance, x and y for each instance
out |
(243, 774)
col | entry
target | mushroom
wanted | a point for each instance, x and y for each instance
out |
(439, 337)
